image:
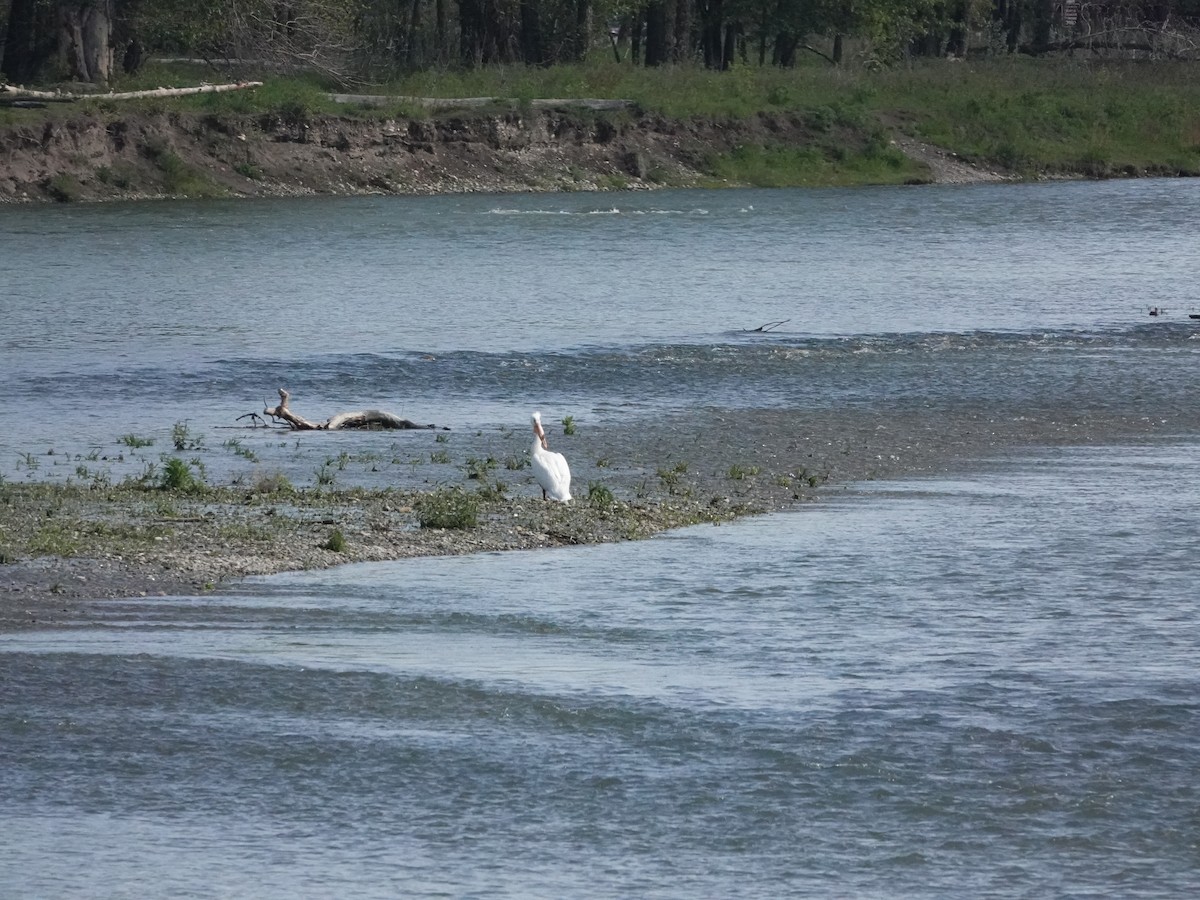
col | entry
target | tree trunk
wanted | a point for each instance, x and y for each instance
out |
(439, 33)
(959, 29)
(583, 16)
(681, 42)
(1043, 19)
(85, 31)
(712, 19)
(412, 45)
(85, 34)
(785, 50)
(656, 33)
(532, 53)
(470, 32)
(732, 32)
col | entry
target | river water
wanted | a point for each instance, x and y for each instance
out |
(980, 682)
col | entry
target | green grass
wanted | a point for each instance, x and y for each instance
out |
(813, 166)
(1060, 117)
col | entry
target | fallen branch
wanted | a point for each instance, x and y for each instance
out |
(129, 95)
(769, 326)
(367, 419)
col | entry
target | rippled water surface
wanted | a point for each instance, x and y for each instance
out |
(977, 685)
(933, 688)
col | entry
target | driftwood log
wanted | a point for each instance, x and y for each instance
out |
(23, 93)
(369, 419)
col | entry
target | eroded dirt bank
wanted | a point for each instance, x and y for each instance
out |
(123, 156)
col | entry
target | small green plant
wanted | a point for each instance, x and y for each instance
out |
(272, 483)
(479, 468)
(325, 475)
(118, 178)
(491, 491)
(336, 542)
(248, 170)
(516, 463)
(201, 471)
(568, 424)
(182, 439)
(177, 476)
(165, 509)
(442, 438)
(439, 456)
(235, 445)
(177, 176)
(672, 478)
(448, 508)
(599, 496)
(132, 440)
(147, 478)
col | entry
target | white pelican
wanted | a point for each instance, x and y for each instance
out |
(549, 468)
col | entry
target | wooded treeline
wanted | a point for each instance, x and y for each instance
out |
(91, 40)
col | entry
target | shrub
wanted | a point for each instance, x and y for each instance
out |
(448, 508)
(178, 476)
(63, 188)
(599, 497)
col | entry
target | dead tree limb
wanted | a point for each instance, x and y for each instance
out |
(21, 92)
(365, 419)
(769, 326)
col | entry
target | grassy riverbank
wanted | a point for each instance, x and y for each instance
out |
(1015, 118)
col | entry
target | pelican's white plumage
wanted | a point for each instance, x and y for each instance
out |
(549, 468)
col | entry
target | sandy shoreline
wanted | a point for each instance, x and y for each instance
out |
(764, 460)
